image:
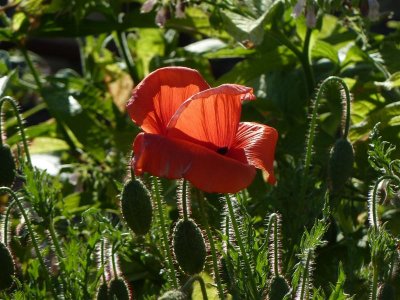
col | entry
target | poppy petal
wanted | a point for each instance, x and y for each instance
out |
(210, 117)
(204, 168)
(258, 142)
(155, 100)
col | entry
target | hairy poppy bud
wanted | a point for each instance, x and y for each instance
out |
(189, 246)
(118, 289)
(7, 166)
(136, 207)
(7, 267)
(102, 292)
(340, 164)
(173, 295)
(278, 288)
(386, 292)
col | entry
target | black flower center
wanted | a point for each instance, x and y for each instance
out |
(222, 150)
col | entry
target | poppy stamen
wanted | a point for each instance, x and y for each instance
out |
(222, 150)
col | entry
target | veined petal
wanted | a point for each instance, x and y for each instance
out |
(258, 142)
(210, 117)
(204, 168)
(155, 100)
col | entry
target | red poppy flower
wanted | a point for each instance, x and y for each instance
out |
(193, 131)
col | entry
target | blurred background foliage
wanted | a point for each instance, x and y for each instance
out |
(72, 65)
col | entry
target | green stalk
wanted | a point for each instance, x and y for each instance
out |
(276, 262)
(172, 273)
(14, 106)
(311, 132)
(307, 62)
(102, 260)
(305, 275)
(241, 246)
(33, 238)
(114, 265)
(184, 200)
(198, 278)
(123, 45)
(304, 60)
(373, 208)
(374, 292)
(6, 219)
(32, 68)
(212, 246)
(56, 243)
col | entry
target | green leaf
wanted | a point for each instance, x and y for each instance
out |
(4, 82)
(245, 28)
(387, 116)
(323, 49)
(392, 82)
(338, 291)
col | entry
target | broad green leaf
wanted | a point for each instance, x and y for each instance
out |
(322, 49)
(245, 28)
(392, 82)
(387, 116)
(47, 145)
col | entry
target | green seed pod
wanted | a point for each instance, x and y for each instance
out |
(189, 246)
(118, 290)
(7, 166)
(102, 292)
(7, 267)
(173, 295)
(340, 164)
(386, 292)
(136, 207)
(278, 288)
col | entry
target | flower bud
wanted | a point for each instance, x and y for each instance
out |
(7, 166)
(102, 292)
(118, 289)
(386, 292)
(189, 246)
(278, 288)
(136, 207)
(7, 267)
(340, 164)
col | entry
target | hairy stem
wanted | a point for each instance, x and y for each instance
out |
(172, 273)
(32, 235)
(184, 200)
(373, 201)
(212, 246)
(14, 106)
(123, 44)
(241, 245)
(6, 220)
(198, 278)
(305, 276)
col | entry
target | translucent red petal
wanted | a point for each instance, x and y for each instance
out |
(155, 100)
(258, 143)
(205, 169)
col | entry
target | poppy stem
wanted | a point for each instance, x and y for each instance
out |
(102, 260)
(313, 124)
(6, 219)
(14, 106)
(190, 282)
(373, 199)
(241, 246)
(212, 246)
(184, 200)
(33, 237)
(167, 248)
(123, 45)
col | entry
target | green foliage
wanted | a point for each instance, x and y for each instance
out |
(74, 239)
